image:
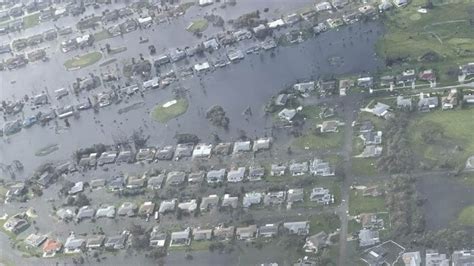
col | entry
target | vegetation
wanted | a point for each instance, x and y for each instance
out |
(186, 138)
(443, 139)
(102, 35)
(31, 20)
(359, 204)
(248, 20)
(466, 217)
(164, 114)
(83, 60)
(198, 26)
(327, 222)
(314, 141)
(217, 117)
(364, 167)
(47, 150)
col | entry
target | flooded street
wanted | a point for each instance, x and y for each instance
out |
(249, 83)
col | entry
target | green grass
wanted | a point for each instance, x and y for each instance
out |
(364, 167)
(31, 20)
(319, 142)
(198, 26)
(456, 144)
(184, 6)
(466, 217)
(360, 204)
(47, 150)
(327, 222)
(165, 114)
(444, 30)
(83, 60)
(102, 35)
(117, 50)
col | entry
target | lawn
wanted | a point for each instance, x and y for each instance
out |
(82, 61)
(444, 31)
(198, 26)
(360, 204)
(319, 142)
(454, 144)
(466, 217)
(163, 113)
(31, 20)
(364, 167)
(327, 222)
(102, 35)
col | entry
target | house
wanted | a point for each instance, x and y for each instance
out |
(433, 258)
(117, 183)
(177, 55)
(167, 206)
(287, 114)
(147, 154)
(463, 257)
(236, 175)
(297, 228)
(427, 75)
(268, 230)
(211, 44)
(106, 211)
(235, 55)
(371, 151)
(165, 154)
(370, 221)
(78, 187)
(215, 176)
(411, 258)
(469, 99)
(241, 146)
(365, 82)
(135, 182)
(297, 169)
(181, 238)
(281, 100)
(315, 242)
(127, 209)
(157, 238)
(183, 150)
(319, 167)
(188, 206)
(368, 237)
(427, 103)
(224, 233)
(246, 233)
(74, 245)
(175, 178)
(222, 148)
(125, 156)
(146, 209)
(450, 101)
(295, 195)
(85, 212)
(229, 201)
(202, 150)
(274, 198)
(321, 195)
(387, 253)
(467, 69)
(404, 103)
(202, 234)
(327, 87)
(292, 19)
(278, 170)
(65, 214)
(371, 138)
(202, 67)
(380, 110)
(209, 202)
(256, 173)
(400, 3)
(196, 177)
(156, 181)
(35, 240)
(305, 87)
(251, 198)
(276, 24)
(107, 157)
(51, 247)
(95, 242)
(117, 242)
(262, 144)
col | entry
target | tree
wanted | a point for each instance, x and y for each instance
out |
(217, 116)
(107, 48)
(81, 200)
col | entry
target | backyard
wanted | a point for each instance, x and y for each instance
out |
(311, 141)
(359, 204)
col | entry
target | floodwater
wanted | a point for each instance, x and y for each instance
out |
(445, 198)
(249, 83)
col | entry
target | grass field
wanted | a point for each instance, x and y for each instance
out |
(466, 217)
(319, 142)
(83, 60)
(198, 26)
(360, 204)
(364, 167)
(164, 114)
(456, 143)
(102, 35)
(444, 31)
(324, 222)
(31, 20)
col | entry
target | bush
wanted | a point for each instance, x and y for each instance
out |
(217, 116)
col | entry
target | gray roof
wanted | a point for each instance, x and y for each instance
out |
(85, 212)
(156, 181)
(127, 208)
(241, 146)
(175, 178)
